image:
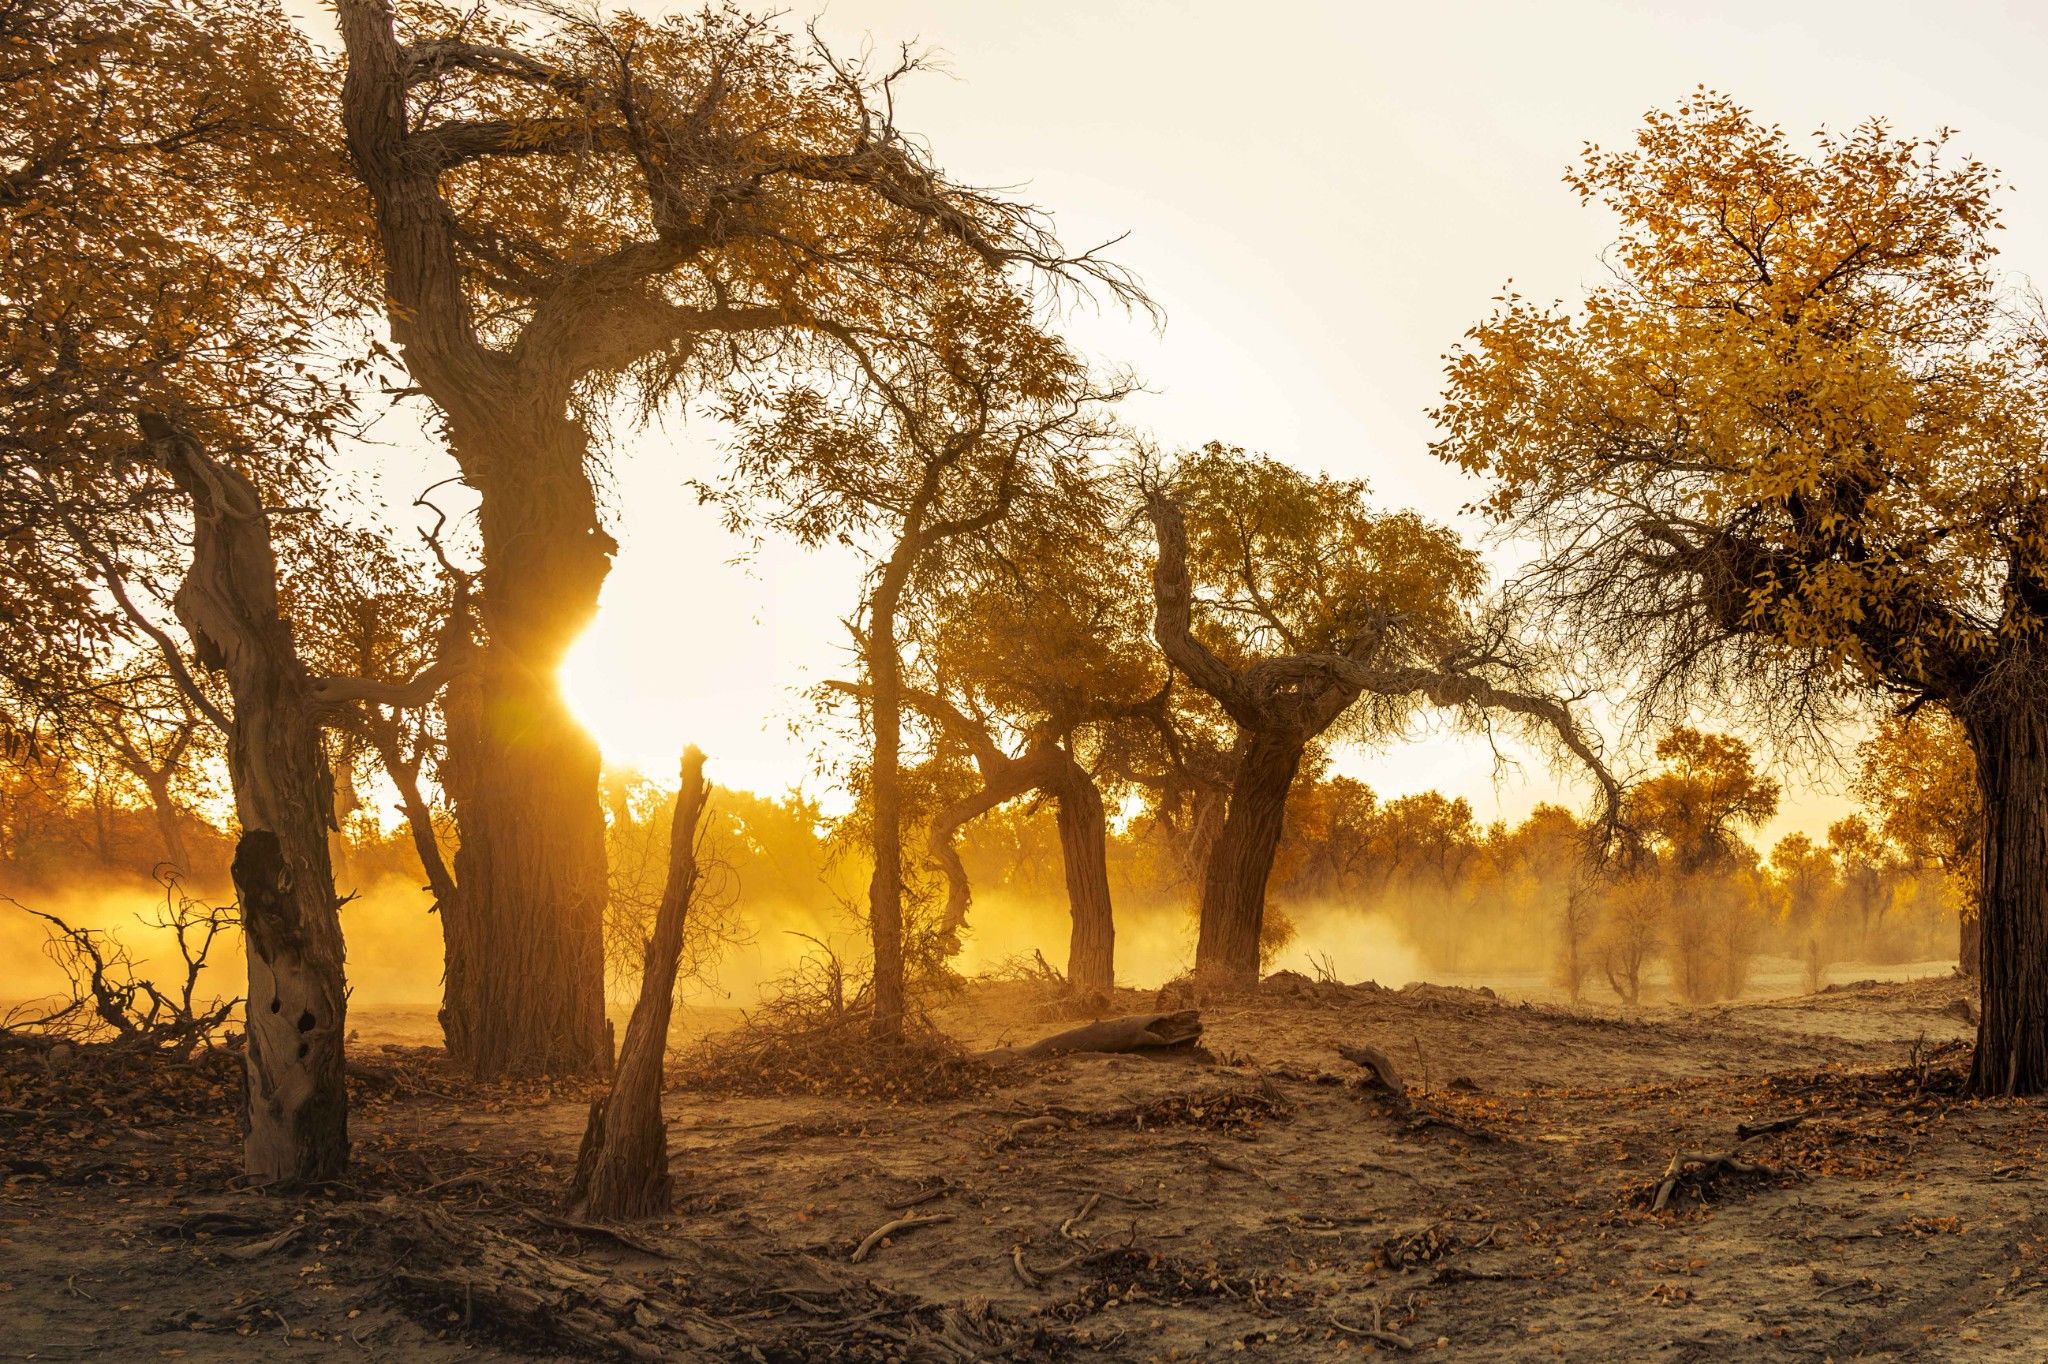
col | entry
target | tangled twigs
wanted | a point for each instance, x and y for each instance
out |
(108, 1002)
(1701, 1166)
(888, 1229)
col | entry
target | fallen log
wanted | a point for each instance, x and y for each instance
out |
(1178, 1031)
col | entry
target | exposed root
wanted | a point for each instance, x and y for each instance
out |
(897, 1227)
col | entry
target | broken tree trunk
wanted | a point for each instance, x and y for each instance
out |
(296, 1104)
(622, 1169)
(1178, 1031)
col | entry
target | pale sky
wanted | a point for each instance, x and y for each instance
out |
(1322, 197)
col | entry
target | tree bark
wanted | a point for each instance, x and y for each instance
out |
(2011, 744)
(524, 993)
(622, 1169)
(296, 1102)
(295, 1114)
(885, 797)
(1969, 943)
(1233, 905)
(1084, 852)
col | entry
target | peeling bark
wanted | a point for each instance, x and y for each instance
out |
(296, 1106)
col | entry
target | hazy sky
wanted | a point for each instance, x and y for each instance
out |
(1322, 197)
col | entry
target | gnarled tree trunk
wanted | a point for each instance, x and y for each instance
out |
(524, 993)
(1233, 905)
(2011, 744)
(296, 1103)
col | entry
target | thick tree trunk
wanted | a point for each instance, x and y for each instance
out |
(525, 974)
(1233, 906)
(2011, 743)
(296, 1102)
(622, 1170)
(885, 797)
(296, 1106)
(1084, 849)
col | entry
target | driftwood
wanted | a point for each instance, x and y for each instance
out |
(622, 1168)
(1169, 1032)
(895, 1228)
(1381, 1073)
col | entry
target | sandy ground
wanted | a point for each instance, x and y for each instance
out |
(1260, 1201)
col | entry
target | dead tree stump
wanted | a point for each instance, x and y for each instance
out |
(295, 1121)
(622, 1168)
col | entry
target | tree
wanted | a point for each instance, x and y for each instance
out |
(1309, 601)
(622, 1167)
(1917, 776)
(1793, 455)
(604, 202)
(1865, 868)
(1807, 887)
(1336, 829)
(1690, 814)
(295, 1098)
(923, 458)
(1030, 658)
